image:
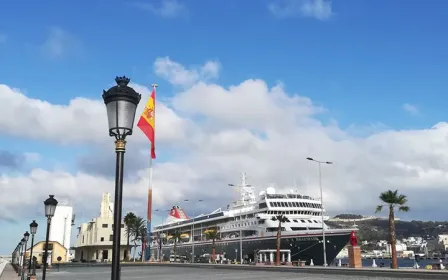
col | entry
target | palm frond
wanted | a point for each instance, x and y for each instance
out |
(379, 208)
(404, 208)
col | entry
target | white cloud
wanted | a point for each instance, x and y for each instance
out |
(212, 133)
(166, 9)
(177, 74)
(60, 43)
(411, 109)
(81, 121)
(319, 9)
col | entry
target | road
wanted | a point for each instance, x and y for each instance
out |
(191, 273)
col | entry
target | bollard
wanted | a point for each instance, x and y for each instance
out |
(374, 263)
(311, 263)
(339, 263)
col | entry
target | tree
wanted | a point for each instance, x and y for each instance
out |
(176, 235)
(393, 199)
(213, 234)
(142, 239)
(137, 228)
(281, 219)
(129, 221)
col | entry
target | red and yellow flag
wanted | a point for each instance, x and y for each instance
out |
(147, 121)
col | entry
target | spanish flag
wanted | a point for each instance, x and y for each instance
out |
(147, 121)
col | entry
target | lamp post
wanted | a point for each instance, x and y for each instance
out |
(33, 230)
(17, 256)
(192, 229)
(319, 163)
(50, 207)
(22, 245)
(26, 236)
(121, 103)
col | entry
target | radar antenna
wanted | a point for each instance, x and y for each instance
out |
(247, 192)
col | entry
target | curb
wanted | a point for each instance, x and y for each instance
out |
(409, 274)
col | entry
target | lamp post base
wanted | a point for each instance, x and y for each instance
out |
(354, 257)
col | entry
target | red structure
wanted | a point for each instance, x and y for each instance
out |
(353, 239)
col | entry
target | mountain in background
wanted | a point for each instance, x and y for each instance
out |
(377, 228)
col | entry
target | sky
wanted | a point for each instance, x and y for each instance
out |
(244, 86)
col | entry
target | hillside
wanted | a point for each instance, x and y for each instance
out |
(378, 229)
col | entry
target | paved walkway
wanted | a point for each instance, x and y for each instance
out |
(9, 273)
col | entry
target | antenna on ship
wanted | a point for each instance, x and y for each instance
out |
(247, 193)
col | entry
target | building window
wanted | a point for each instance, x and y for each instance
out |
(111, 237)
(102, 239)
(83, 239)
(104, 225)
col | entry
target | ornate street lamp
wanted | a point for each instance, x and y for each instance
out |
(26, 236)
(33, 230)
(121, 103)
(17, 256)
(22, 252)
(50, 207)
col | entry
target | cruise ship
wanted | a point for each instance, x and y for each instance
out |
(247, 228)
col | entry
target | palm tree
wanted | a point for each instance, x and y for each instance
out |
(129, 220)
(142, 238)
(281, 219)
(136, 231)
(176, 235)
(393, 199)
(213, 234)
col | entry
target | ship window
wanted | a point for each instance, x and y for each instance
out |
(315, 221)
(289, 204)
(295, 221)
(301, 204)
(303, 221)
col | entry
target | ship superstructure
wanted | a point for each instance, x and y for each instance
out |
(247, 225)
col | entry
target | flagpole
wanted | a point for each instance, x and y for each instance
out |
(149, 213)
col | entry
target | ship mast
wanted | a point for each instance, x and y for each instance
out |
(247, 191)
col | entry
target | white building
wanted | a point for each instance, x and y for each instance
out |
(443, 238)
(94, 239)
(61, 226)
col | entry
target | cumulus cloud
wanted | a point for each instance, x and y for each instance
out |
(318, 9)
(179, 75)
(81, 121)
(209, 133)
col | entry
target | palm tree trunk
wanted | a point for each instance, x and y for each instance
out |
(135, 249)
(392, 237)
(213, 251)
(279, 232)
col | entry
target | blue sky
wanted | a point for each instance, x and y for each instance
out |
(368, 62)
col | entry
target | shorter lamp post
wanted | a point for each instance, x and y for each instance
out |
(50, 207)
(17, 256)
(26, 236)
(319, 163)
(22, 246)
(33, 229)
